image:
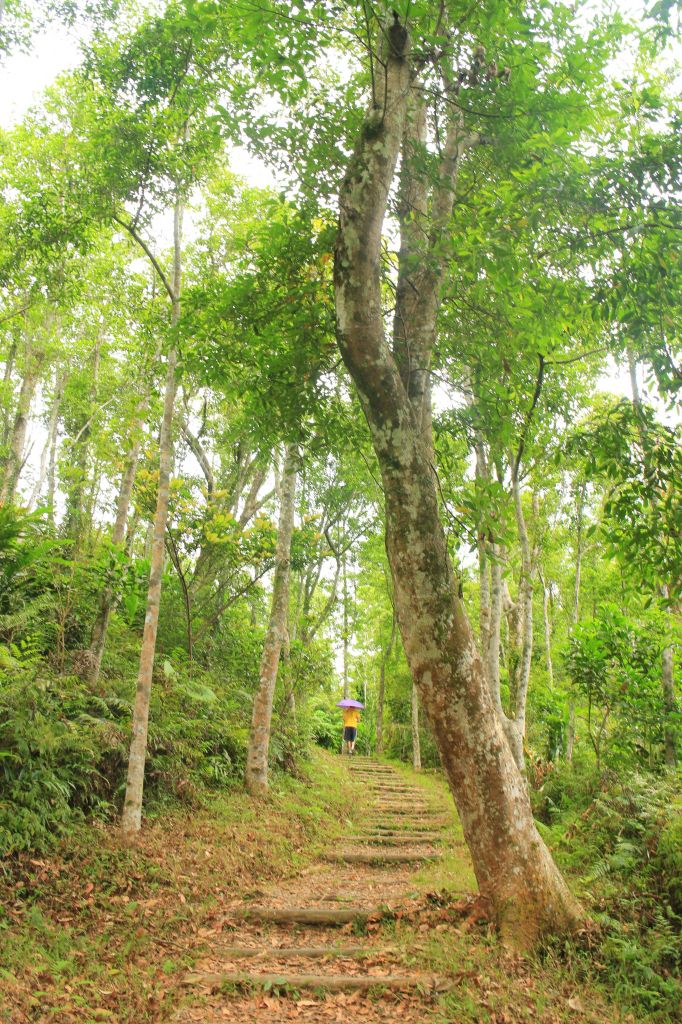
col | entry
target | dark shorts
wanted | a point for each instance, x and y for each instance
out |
(349, 733)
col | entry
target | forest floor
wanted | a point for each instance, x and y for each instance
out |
(208, 917)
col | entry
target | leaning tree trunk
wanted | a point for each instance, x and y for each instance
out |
(132, 807)
(256, 777)
(515, 872)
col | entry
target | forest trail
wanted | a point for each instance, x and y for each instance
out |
(323, 935)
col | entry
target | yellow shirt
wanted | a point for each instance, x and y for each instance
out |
(351, 716)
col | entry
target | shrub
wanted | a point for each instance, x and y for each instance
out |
(57, 740)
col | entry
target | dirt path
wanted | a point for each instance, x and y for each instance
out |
(316, 947)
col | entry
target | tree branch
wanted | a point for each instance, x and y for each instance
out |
(529, 416)
(145, 248)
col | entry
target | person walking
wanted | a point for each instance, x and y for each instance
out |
(351, 719)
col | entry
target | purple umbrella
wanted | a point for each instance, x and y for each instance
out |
(348, 703)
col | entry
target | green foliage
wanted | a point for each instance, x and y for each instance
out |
(64, 748)
(57, 741)
(614, 664)
(26, 560)
(640, 458)
(324, 724)
(620, 838)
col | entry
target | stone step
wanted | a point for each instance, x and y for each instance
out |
(370, 856)
(392, 788)
(403, 811)
(378, 776)
(327, 982)
(311, 915)
(395, 795)
(397, 822)
(232, 953)
(394, 839)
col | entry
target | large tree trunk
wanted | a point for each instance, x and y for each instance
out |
(514, 869)
(259, 739)
(132, 807)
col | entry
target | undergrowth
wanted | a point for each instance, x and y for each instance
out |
(619, 840)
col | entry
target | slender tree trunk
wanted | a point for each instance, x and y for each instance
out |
(514, 869)
(17, 441)
(7, 391)
(517, 731)
(575, 615)
(108, 596)
(52, 475)
(344, 577)
(52, 427)
(416, 745)
(132, 807)
(382, 686)
(76, 505)
(484, 593)
(492, 651)
(548, 630)
(259, 739)
(669, 701)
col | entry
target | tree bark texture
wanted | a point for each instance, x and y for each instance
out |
(514, 869)
(132, 808)
(259, 739)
